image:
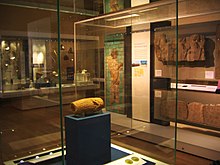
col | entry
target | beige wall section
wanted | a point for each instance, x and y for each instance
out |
(138, 2)
(141, 76)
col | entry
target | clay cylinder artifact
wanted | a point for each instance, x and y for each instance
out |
(87, 105)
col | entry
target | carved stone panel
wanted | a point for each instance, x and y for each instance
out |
(217, 55)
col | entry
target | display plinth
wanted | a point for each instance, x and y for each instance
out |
(88, 139)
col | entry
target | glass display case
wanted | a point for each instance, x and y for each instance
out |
(23, 71)
(13, 64)
(31, 101)
(160, 72)
(155, 65)
(122, 59)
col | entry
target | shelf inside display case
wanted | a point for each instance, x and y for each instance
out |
(195, 87)
(198, 105)
(31, 98)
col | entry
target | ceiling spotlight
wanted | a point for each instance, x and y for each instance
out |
(62, 47)
(123, 17)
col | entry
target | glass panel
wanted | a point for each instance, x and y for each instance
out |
(198, 78)
(30, 101)
(120, 50)
(30, 107)
(29, 117)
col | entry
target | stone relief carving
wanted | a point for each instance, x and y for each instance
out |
(114, 68)
(190, 48)
(161, 47)
(196, 48)
(217, 57)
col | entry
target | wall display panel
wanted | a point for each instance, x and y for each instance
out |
(141, 75)
(196, 59)
(114, 72)
(197, 81)
(196, 55)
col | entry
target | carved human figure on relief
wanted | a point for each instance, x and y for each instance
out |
(114, 5)
(172, 50)
(196, 51)
(182, 49)
(114, 68)
(161, 47)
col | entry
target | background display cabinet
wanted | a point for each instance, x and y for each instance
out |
(159, 71)
(30, 64)
(26, 66)
(13, 64)
(45, 62)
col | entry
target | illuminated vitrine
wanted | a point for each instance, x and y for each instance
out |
(160, 69)
(155, 67)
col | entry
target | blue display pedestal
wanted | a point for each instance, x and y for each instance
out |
(88, 139)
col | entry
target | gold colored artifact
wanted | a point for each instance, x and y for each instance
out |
(87, 105)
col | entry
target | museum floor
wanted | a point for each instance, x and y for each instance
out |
(33, 131)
